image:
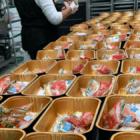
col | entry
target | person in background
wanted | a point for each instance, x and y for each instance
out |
(39, 19)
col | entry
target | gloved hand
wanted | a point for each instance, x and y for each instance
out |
(74, 7)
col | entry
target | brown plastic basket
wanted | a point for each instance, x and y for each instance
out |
(122, 81)
(110, 101)
(97, 32)
(90, 37)
(112, 64)
(87, 32)
(35, 64)
(53, 136)
(131, 42)
(129, 63)
(50, 53)
(52, 45)
(44, 79)
(64, 38)
(100, 53)
(20, 77)
(83, 81)
(120, 27)
(133, 22)
(133, 37)
(126, 136)
(1, 98)
(67, 65)
(64, 106)
(100, 45)
(76, 53)
(136, 31)
(129, 51)
(77, 45)
(113, 35)
(122, 31)
(39, 103)
(11, 134)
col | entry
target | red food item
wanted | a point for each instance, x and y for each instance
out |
(96, 39)
(85, 120)
(85, 58)
(4, 83)
(104, 89)
(123, 38)
(113, 118)
(118, 56)
(78, 68)
(104, 70)
(137, 69)
(58, 87)
(65, 46)
(83, 25)
(61, 57)
(103, 33)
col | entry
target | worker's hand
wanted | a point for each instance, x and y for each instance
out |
(74, 7)
(66, 4)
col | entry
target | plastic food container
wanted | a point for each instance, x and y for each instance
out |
(65, 38)
(11, 134)
(134, 37)
(100, 53)
(110, 101)
(20, 77)
(69, 105)
(112, 64)
(77, 45)
(52, 54)
(129, 63)
(44, 79)
(53, 136)
(83, 81)
(126, 136)
(87, 32)
(34, 64)
(52, 45)
(114, 27)
(102, 32)
(76, 53)
(131, 42)
(91, 37)
(129, 51)
(100, 45)
(67, 65)
(39, 104)
(122, 31)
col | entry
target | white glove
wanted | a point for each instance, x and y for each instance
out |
(74, 7)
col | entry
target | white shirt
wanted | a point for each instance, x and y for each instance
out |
(49, 10)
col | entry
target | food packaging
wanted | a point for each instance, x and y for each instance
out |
(101, 54)
(122, 32)
(66, 65)
(83, 45)
(50, 54)
(44, 79)
(59, 44)
(93, 38)
(101, 32)
(20, 77)
(110, 101)
(104, 46)
(79, 32)
(132, 44)
(70, 39)
(111, 64)
(88, 54)
(134, 37)
(133, 53)
(82, 82)
(122, 82)
(38, 104)
(69, 105)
